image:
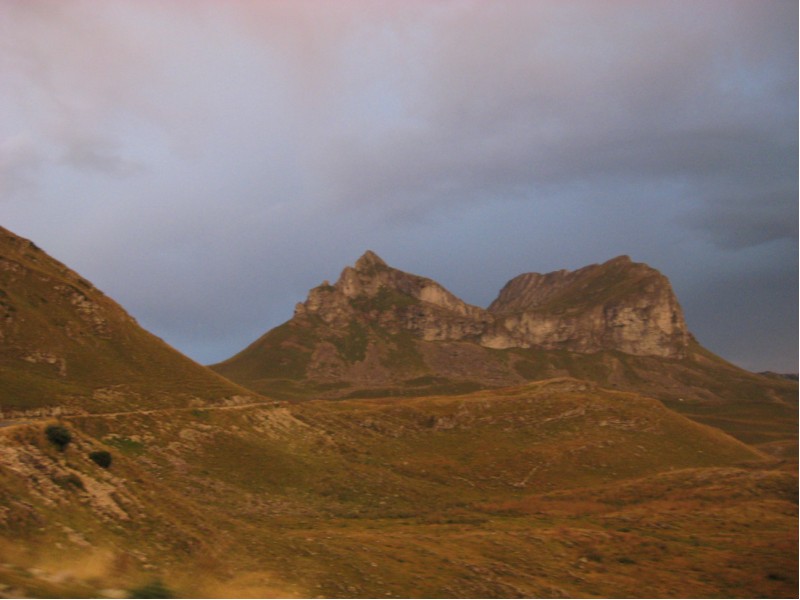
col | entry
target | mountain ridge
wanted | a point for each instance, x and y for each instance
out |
(65, 344)
(381, 332)
(609, 307)
(565, 476)
(616, 305)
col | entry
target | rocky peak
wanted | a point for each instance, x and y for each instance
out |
(396, 299)
(369, 261)
(618, 305)
(537, 290)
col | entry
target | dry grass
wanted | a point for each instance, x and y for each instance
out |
(552, 489)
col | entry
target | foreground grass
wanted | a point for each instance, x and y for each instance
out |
(556, 489)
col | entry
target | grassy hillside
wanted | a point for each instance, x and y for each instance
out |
(64, 343)
(558, 475)
(552, 489)
(305, 359)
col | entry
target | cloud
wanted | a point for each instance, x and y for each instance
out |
(228, 156)
(19, 160)
(99, 154)
(740, 221)
(747, 310)
(499, 101)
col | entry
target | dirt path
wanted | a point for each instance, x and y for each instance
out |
(150, 411)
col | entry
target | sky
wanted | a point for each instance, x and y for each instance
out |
(206, 163)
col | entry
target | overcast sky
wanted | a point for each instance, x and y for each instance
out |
(205, 163)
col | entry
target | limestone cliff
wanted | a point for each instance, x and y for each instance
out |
(396, 301)
(619, 305)
(378, 331)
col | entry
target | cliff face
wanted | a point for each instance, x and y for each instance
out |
(619, 305)
(381, 332)
(396, 301)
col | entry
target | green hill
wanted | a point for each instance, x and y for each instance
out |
(471, 471)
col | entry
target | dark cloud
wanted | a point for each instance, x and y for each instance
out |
(99, 155)
(738, 221)
(207, 163)
(748, 314)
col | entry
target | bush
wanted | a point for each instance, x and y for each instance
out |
(154, 589)
(102, 458)
(58, 436)
(69, 481)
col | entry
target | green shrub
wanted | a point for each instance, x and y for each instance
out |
(58, 436)
(102, 458)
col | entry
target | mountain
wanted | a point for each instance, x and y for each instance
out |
(379, 331)
(64, 344)
(160, 478)
(619, 305)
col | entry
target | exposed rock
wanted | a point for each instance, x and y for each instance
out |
(619, 305)
(380, 331)
(397, 300)
(38, 357)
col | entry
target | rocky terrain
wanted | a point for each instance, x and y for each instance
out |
(556, 489)
(619, 305)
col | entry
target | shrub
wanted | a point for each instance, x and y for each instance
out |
(154, 589)
(69, 481)
(58, 436)
(102, 458)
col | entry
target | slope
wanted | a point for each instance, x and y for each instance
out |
(64, 344)
(556, 488)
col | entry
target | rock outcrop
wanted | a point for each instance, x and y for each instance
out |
(396, 300)
(378, 331)
(619, 305)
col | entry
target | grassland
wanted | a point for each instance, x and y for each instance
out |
(65, 344)
(557, 489)
(702, 386)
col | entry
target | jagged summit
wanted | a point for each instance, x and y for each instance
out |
(618, 305)
(378, 325)
(405, 301)
(369, 260)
